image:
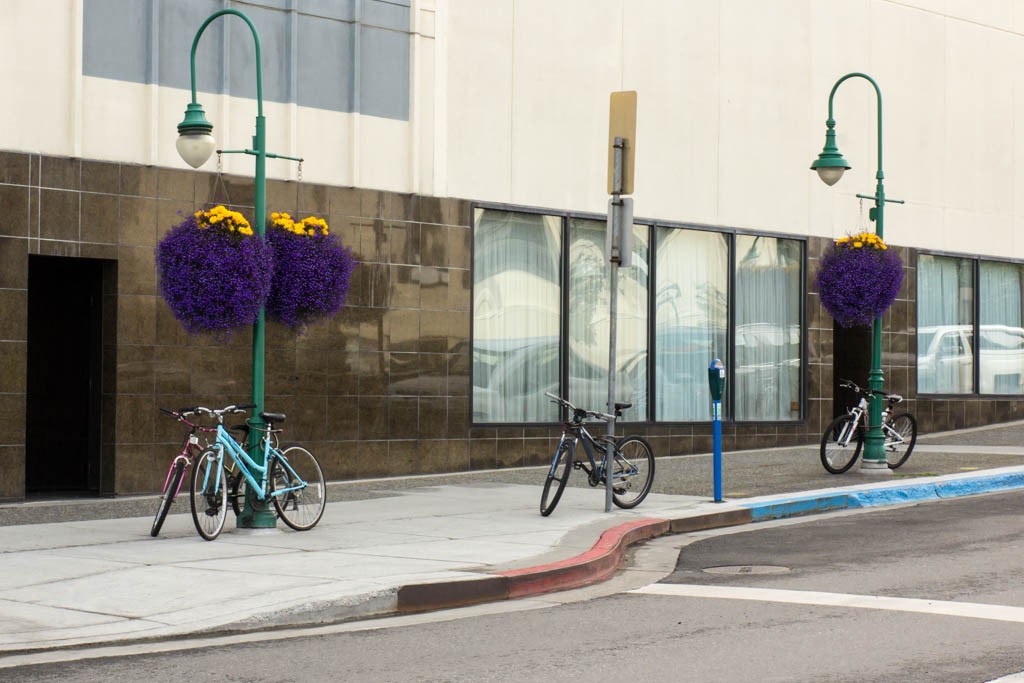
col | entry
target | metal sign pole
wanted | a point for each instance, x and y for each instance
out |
(618, 248)
(615, 228)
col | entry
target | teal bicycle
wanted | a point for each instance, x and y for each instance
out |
(291, 478)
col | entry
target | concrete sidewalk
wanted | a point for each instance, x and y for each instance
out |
(417, 543)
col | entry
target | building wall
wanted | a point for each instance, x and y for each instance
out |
(353, 78)
(507, 103)
(732, 103)
(381, 389)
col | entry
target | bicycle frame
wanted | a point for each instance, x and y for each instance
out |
(580, 435)
(247, 466)
(190, 447)
(861, 410)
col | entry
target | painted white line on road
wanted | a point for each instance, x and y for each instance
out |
(950, 448)
(970, 610)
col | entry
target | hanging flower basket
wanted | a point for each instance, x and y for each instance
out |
(213, 272)
(312, 270)
(858, 279)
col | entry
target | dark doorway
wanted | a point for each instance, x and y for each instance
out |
(851, 359)
(62, 440)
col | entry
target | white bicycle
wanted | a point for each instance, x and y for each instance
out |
(843, 440)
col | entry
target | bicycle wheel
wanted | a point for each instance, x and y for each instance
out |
(900, 437)
(237, 486)
(209, 496)
(633, 472)
(170, 492)
(301, 508)
(835, 456)
(561, 468)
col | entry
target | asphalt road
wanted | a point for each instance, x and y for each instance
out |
(929, 592)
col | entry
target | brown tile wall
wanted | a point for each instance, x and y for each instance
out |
(383, 387)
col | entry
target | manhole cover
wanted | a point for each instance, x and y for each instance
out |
(747, 569)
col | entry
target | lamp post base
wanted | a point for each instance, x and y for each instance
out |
(875, 468)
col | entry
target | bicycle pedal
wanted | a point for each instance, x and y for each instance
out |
(619, 490)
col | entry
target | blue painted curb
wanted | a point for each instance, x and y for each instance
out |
(883, 495)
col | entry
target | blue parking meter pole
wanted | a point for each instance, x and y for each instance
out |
(716, 383)
(718, 451)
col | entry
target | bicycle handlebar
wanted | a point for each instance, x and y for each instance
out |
(850, 384)
(200, 410)
(585, 413)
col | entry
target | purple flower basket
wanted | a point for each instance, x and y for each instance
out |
(311, 277)
(858, 284)
(214, 281)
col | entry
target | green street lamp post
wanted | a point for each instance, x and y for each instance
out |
(195, 144)
(830, 166)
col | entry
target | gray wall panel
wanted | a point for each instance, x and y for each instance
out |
(177, 23)
(125, 58)
(345, 10)
(324, 48)
(391, 14)
(315, 69)
(384, 73)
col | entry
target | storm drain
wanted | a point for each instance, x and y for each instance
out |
(747, 569)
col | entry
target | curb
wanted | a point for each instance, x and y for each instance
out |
(605, 557)
(595, 565)
(886, 494)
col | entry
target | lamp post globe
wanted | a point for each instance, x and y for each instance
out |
(195, 141)
(830, 175)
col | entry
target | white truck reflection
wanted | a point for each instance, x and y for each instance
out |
(945, 359)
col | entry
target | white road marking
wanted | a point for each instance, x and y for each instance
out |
(970, 610)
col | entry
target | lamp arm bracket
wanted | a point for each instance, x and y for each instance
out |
(871, 196)
(253, 152)
(282, 156)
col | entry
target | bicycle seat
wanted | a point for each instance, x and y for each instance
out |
(272, 417)
(619, 407)
(895, 398)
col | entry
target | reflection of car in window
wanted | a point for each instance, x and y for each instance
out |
(945, 359)
(510, 377)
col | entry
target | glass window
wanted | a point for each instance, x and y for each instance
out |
(1001, 343)
(945, 325)
(588, 333)
(691, 320)
(535, 333)
(516, 315)
(767, 328)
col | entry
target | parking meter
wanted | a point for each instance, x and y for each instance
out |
(716, 383)
(716, 379)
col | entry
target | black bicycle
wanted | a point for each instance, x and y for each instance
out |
(632, 459)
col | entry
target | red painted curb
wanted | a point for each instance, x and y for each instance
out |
(597, 564)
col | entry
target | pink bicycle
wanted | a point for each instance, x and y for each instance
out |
(190, 448)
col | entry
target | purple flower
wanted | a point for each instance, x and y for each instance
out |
(858, 283)
(212, 279)
(311, 276)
